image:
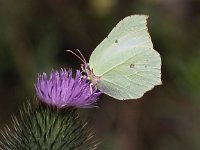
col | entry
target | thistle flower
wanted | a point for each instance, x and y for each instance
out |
(62, 90)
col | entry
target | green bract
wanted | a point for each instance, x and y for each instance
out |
(42, 127)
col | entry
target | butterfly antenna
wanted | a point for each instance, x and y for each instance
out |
(81, 55)
(83, 60)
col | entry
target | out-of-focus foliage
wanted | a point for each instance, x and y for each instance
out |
(35, 34)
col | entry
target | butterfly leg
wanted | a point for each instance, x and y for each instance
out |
(92, 87)
(91, 90)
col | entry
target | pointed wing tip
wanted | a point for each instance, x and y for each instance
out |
(140, 15)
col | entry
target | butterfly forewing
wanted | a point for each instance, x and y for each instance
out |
(128, 33)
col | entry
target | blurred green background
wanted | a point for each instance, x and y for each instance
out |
(36, 33)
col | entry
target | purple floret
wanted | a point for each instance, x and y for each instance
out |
(62, 90)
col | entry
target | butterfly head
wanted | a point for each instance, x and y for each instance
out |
(86, 67)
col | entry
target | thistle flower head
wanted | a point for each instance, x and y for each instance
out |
(62, 90)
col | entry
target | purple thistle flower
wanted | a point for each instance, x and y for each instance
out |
(62, 90)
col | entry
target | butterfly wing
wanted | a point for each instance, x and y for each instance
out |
(125, 61)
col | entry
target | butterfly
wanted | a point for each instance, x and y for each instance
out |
(125, 65)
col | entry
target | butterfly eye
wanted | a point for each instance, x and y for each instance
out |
(83, 74)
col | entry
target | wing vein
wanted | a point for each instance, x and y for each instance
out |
(121, 63)
(143, 77)
(119, 86)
